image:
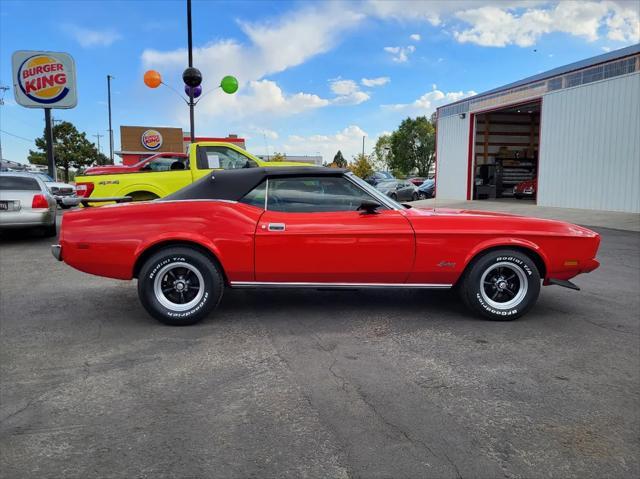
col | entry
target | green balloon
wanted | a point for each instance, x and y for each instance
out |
(229, 84)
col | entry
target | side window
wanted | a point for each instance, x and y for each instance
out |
(256, 196)
(167, 163)
(223, 157)
(314, 195)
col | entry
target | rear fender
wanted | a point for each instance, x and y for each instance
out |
(200, 240)
(142, 187)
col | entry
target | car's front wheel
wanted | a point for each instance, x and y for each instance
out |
(180, 286)
(501, 285)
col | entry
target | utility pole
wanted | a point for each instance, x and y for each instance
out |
(109, 78)
(363, 146)
(48, 133)
(190, 46)
(3, 90)
(98, 136)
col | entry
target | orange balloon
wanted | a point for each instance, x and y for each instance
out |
(152, 79)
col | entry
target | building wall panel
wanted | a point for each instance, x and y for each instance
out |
(452, 157)
(590, 146)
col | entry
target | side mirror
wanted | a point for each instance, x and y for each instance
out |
(369, 207)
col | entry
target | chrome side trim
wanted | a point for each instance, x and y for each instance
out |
(271, 284)
(209, 200)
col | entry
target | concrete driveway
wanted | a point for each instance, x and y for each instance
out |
(401, 384)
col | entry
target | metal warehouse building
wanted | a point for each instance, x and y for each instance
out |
(570, 136)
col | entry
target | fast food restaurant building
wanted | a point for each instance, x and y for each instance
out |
(139, 142)
(574, 130)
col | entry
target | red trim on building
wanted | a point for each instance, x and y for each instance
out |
(472, 138)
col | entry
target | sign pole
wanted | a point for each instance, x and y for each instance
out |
(48, 133)
(190, 45)
(109, 77)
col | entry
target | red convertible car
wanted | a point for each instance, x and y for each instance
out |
(307, 227)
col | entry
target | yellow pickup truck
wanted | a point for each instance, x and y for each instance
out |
(144, 185)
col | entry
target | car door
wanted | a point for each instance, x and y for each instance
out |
(312, 232)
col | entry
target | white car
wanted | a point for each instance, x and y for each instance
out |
(59, 190)
(26, 202)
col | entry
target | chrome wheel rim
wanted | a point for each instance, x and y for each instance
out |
(503, 285)
(178, 286)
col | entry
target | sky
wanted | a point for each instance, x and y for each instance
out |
(315, 76)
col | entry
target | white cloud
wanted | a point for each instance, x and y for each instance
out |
(348, 140)
(415, 37)
(91, 38)
(427, 103)
(498, 27)
(270, 50)
(400, 54)
(343, 87)
(373, 82)
(498, 23)
(348, 92)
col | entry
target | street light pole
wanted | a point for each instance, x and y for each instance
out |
(190, 48)
(109, 77)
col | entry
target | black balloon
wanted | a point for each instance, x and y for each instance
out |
(192, 77)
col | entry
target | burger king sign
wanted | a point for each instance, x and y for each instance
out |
(152, 139)
(44, 79)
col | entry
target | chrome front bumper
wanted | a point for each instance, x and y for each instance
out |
(56, 251)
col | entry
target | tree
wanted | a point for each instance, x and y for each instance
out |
(382, 154)
(278, 157)
(71, 149)
(413, 146)
(361, 166)
(339, 160)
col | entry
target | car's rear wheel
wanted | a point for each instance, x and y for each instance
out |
(180, 286)
(393, 196)
(415, 196)
(501, 285)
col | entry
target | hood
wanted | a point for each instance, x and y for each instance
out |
(96, 170)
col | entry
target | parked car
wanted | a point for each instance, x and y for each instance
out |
(316, 228)
(26, 202)
(379, 176)
(59, 190)
(158, 162)
(149, 184)
(399, 190)
(526, 189)
(427, 189)
(416, 180)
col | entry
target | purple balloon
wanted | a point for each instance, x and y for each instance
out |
(197, 91)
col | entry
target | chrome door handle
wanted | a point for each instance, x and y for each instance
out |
(276, 227)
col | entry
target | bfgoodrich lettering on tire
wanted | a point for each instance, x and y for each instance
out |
(180, 286)
(501, 285)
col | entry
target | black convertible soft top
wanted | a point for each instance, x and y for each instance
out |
(234, 184)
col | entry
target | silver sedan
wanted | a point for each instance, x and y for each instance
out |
(25, 202)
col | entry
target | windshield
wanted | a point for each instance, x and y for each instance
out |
(384, 174)
(387, 184)
(384, 199)
(44, 177)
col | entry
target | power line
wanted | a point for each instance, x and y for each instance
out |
(17, 136)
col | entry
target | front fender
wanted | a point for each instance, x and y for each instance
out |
(506, 242)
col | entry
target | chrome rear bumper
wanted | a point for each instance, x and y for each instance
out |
(56, 251)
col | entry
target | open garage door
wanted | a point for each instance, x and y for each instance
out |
(506, 152)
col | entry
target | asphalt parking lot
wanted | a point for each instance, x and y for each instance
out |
(345, 384)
